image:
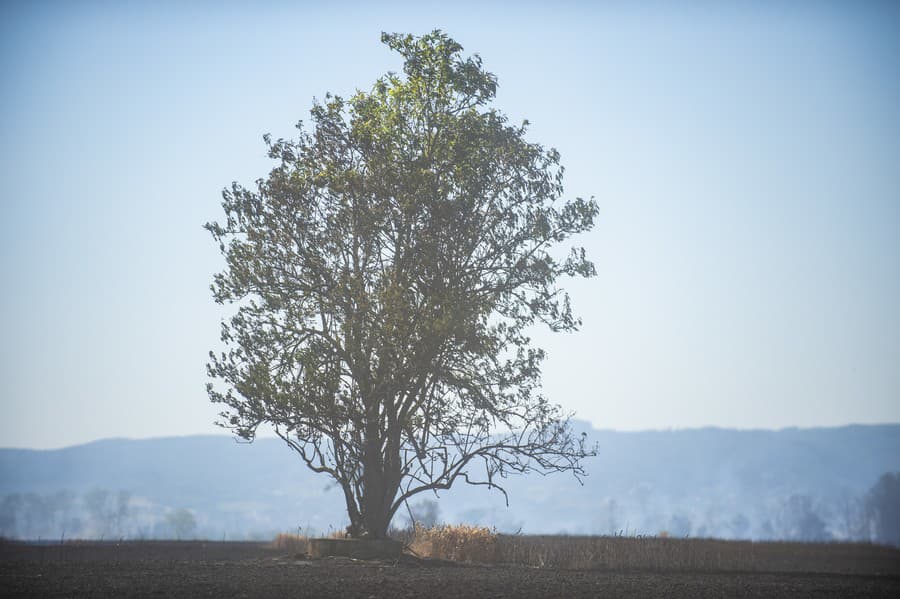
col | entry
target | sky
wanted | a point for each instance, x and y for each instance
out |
(745, 158)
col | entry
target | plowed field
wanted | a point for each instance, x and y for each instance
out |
(210, 569)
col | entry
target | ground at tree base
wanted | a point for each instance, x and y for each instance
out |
(198, 569)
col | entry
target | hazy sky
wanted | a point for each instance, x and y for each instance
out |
(746, 161)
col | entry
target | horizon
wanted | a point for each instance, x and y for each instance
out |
(743, 159)
(575, 422)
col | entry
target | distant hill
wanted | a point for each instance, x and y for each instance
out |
(700, 482)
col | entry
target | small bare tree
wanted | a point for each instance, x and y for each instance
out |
(385, 276)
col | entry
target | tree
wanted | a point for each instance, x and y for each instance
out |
(799, 521)
(10, 515)
(425, 513)
(385, 276)
(850, 520)
(182, 523)
(882, 509)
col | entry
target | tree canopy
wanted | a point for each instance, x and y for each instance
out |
(385, 276)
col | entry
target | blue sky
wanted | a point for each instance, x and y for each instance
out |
(744, 158)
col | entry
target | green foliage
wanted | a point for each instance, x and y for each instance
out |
(385, 275)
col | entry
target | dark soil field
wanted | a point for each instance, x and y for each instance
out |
(213, 569)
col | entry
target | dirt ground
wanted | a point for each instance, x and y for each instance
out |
(211, 569)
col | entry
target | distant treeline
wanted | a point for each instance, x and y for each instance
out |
(105, 514)
(96, 514)
(872, 517)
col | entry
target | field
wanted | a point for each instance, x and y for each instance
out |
(610, 567)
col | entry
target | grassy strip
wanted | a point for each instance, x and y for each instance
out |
(484, 545)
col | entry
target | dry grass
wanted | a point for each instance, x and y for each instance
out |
(618, 553)
(458, 543)
(290, 543)
(662, 553)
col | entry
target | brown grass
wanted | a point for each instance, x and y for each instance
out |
(618, 553)
(291, 543)
(459, 543)
(663, 553)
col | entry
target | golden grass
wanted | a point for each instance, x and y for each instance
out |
(459, 543)
(291, 543)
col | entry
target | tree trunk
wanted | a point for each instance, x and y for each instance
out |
(373, 512)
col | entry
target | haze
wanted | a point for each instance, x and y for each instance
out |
(744, 159)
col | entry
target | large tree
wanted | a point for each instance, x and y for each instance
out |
(385, 276)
